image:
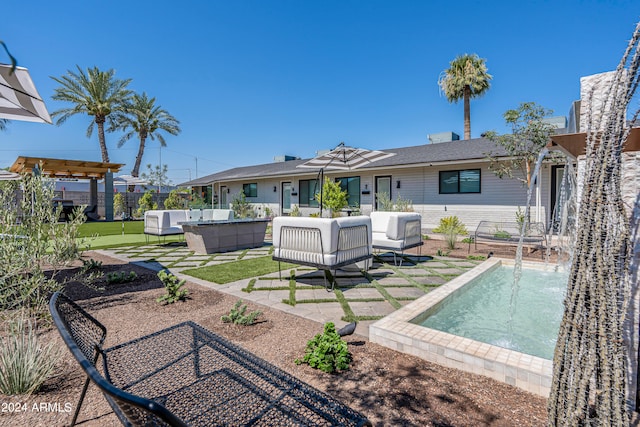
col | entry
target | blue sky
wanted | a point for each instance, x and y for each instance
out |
(250, 80)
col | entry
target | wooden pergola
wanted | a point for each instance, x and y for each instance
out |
(63, 168)
(81, 169)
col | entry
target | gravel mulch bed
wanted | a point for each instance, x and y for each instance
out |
(390, 388)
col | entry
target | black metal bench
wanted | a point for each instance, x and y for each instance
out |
(186, 375)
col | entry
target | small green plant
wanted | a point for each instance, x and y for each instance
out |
(90, 266)
(450, 227)
(442, 252)
(501, 234)
(327, 351)
(25, 363)
(121, 277)
(425, 237)
(476, 257)
(172, 287)
(468, 240)
(237, 315)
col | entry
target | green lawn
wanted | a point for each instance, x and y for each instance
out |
(237, 270)
(101, 228)
(118, 233)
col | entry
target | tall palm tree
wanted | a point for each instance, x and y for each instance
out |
(96, 93)
(143, 118)
(465, 78)
(3, 124)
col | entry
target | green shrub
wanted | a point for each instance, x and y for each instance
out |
(468, 240)
(90, 265)
(146, 203)
(174, 201)
(172, 286)
(384, 202)
(25, 363)
(122, 277)
(441, 252)
(334, 198)
(118, 204)
(237, 315)
(450, 227)
(327, 351)
(476, 257)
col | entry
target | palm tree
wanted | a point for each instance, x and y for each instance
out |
(3, 124)
(465, 78)
(143, 118)
(96, 93)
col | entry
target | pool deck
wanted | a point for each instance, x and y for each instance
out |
(368, 297)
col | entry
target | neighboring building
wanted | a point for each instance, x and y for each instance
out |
(441, 179)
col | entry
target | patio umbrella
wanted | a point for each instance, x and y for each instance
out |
(19, 99)
(6, 175)
(343, 157)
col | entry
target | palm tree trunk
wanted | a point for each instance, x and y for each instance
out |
(101, 139)
(467, 113)
(136, 166)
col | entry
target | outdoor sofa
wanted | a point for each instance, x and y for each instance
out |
(323, 243)
(167, 222)
(396, 231)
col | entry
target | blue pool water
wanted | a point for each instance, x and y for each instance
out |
(480, 311)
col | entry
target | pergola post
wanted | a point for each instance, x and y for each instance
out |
(108, 196)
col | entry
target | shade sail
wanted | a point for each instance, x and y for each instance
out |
(129, 180)
(19, 99)
(345, 158)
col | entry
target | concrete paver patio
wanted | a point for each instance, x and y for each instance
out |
(365, 297)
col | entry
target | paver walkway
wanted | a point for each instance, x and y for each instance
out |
(365, 297)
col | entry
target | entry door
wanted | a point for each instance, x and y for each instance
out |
(285, 201)
(383, 185)
(223, 197)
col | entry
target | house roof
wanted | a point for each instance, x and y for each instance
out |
(444, 152)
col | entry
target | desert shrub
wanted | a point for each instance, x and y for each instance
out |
(33, 241)
(241, 207)
(327, 351)
(501, 234)
(172, 287)
(442, 252)
(90, 265)
(121, 277)
(118, 204)
(146, 203)
(468, 240)
(295, 211)
(174, 201)
(25, 363)
(385, 204)
(403, 205)
(237, 315)
(450, 227)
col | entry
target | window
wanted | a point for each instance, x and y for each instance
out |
(250, 190)
(352, 186)
(462, 181)
(308, 189)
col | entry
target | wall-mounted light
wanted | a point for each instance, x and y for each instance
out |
(366, 186)
(398, 184)
(275, 188)
(228, 191)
